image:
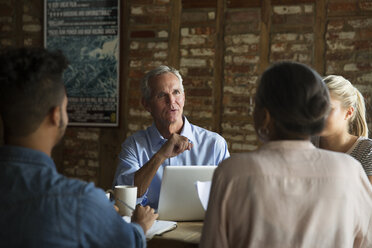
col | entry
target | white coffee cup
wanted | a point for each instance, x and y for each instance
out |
(125, 198)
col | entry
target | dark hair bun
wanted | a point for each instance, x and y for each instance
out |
(295, 96)
(317, 106)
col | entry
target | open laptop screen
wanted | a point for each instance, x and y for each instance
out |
(178, 198)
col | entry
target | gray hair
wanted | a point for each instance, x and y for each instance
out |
(145, 88)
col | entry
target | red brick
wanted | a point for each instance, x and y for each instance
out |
(240, 110)
(278, 19)
(365, 34)
(239, 49)
(140, 54)
(342, 7)
(161, 19)
(300, 20)
(229, 79)
(134, 85)
(136, 20)
(190, 101)
(364, 66)
(363, 56)
(335, 24)
(337, 35)
(281, 56)
(151, 64)
(365, 6)
(226, 99)
(142, 34)
(136, 74)
(200, 92)
(339, 56)
(363, 44)
(194, 82)
(248, 69)
(242, 28)
(189, 17)
(241, 100)
(246, 15)
(204, 30)
(134, 102)
(202, 72)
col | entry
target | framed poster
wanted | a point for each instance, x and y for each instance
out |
(87, 32)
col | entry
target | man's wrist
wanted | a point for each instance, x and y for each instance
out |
(160, 156)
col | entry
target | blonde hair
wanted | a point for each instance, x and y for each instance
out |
(350, 96)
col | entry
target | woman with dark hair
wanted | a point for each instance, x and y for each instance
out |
(289, 193)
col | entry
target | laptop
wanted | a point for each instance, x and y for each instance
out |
(178, 200)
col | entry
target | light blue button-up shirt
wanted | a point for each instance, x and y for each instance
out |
(209, 148)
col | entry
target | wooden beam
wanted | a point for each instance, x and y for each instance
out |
(111, 138)
(18, 33)
(319, 35)
(218, 66)
(124, 68)
(265, 35)
(174, 39)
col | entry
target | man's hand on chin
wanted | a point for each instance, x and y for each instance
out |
(175, 145)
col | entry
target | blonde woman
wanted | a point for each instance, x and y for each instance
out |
(346, 128)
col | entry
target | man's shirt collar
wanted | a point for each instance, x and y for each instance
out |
(25, 155)
(157, 139)
(187, 130)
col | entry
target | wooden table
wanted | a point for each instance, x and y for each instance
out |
(186, 235)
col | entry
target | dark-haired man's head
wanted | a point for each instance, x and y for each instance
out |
(31, 88)
(296, 100)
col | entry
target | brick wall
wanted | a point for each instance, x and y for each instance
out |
(81, 153)
(349, 45)
(21, 23)
(220, 47)
(241, 70)
(292, 35)
(148, 48)
(197, 53)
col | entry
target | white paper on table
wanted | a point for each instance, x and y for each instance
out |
(159, 227)
(203, 189)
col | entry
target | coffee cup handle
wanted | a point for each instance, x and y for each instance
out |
(111, 192)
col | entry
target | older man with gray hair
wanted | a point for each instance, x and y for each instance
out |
(171, 140)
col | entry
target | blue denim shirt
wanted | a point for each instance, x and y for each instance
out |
(209, 148)
(41, 208)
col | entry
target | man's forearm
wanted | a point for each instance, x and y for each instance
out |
(175, 145)
(144, 176)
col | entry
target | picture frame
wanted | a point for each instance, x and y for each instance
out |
(87, 32)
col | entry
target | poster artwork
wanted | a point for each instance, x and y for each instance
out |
(87, 32)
